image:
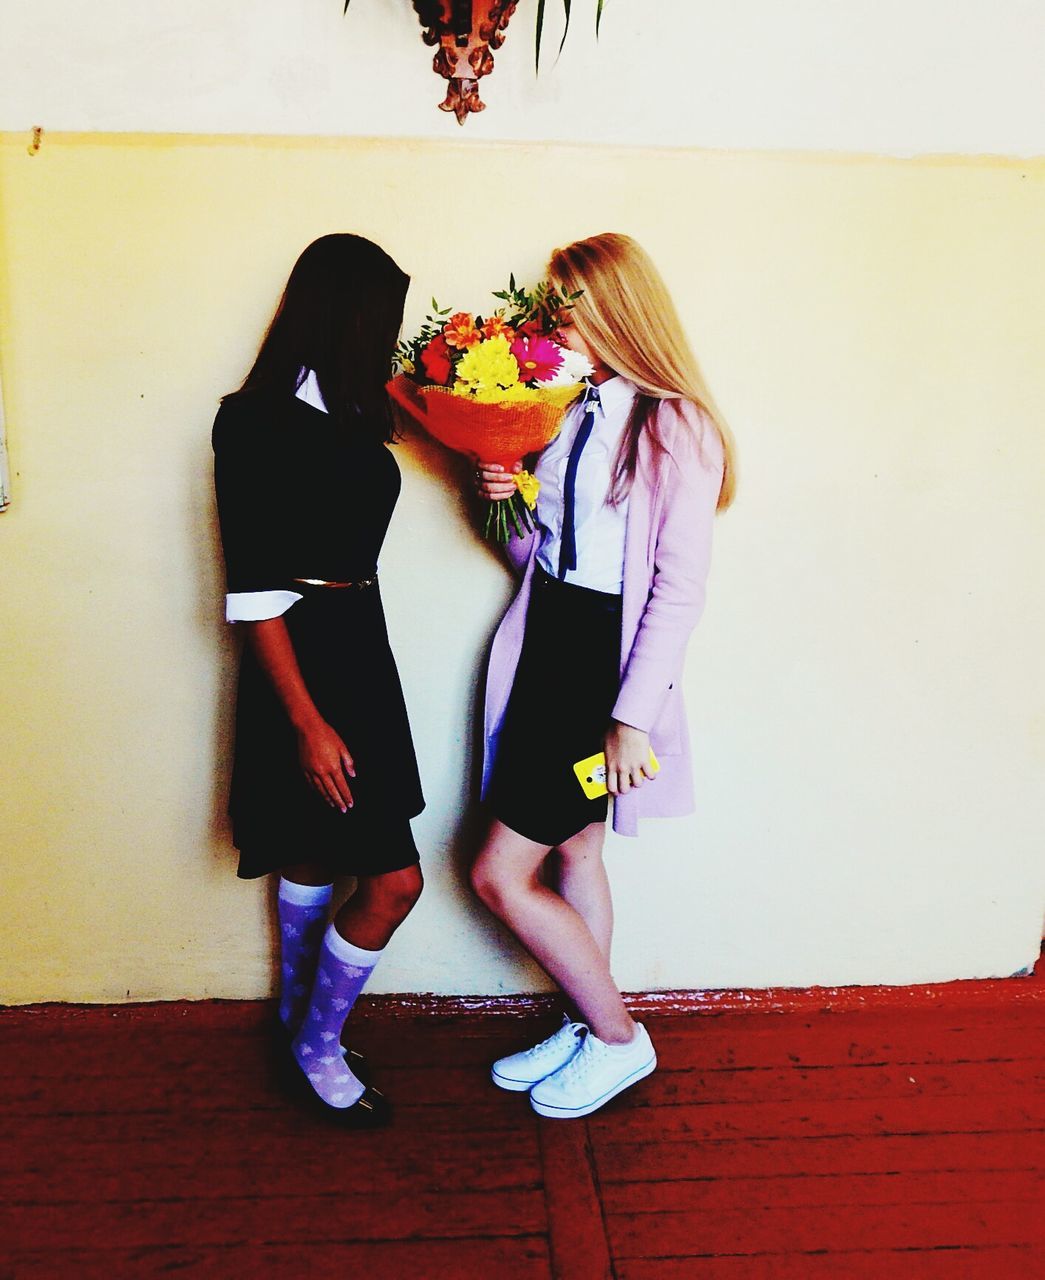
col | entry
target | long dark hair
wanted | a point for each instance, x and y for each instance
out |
(340, 316)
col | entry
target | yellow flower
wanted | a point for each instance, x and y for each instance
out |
(407, 366)
(487, 368)
(529, 486)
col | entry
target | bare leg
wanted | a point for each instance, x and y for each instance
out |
(306, 873)
(378, 907)
(583, 882)
(505, 877)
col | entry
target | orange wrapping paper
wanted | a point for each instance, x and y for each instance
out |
(501, 432)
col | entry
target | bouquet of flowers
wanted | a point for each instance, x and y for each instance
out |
(496, 388)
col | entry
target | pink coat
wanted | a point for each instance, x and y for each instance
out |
(667, 554)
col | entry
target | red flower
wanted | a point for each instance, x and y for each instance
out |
(436, 360)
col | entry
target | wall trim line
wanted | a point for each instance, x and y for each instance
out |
(950, 996)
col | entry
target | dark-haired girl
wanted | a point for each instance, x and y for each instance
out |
(325, 779)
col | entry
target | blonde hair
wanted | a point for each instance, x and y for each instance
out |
(627, 318)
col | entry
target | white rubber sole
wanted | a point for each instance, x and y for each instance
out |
(513, 1086)
(574, 1113)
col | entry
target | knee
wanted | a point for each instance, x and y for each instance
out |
(482, 881)
(394, 896)
(493, 888)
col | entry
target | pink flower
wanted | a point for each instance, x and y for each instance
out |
(538, 358)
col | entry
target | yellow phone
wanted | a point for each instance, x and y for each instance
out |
(591, 773)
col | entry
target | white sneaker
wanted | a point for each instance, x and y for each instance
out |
(521, 1071)
(596, 1073)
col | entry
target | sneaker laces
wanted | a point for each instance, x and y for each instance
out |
(539, 1050)
(581, 1062)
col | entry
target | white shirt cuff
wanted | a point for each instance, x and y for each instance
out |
(256, 606)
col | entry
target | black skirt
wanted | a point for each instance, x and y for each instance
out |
(559, 711)
(341, 643)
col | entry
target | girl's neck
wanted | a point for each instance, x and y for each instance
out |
(602, 374)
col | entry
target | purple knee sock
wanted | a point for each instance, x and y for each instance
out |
(302, 910)
(341, 975)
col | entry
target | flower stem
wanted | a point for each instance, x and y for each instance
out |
(512, 511)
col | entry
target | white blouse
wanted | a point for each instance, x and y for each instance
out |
(598, 526)
(256, 606)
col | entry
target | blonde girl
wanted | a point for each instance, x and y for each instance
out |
(589, 656)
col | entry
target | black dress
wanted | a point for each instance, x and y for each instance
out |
(560, 707)
(301, 495)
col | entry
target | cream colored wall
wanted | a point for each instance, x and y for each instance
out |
(864, 689)
(896, 76)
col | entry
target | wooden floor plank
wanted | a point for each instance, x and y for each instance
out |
(998, 1263)
(337, 1215)
(577, 1232)
(973, 1152)
(847, 1041)
(759, 1229)
(825, 1190)
(521, 1258)
(412, 1164)
(632, 1118)
(835, 1083)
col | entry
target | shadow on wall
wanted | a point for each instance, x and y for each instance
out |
(209, 617)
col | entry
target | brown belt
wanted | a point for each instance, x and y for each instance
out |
(361, 585)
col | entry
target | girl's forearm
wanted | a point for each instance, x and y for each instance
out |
(274, 651)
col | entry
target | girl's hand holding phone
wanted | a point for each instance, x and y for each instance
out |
(627, 758)
(494, 483)
(327, 764)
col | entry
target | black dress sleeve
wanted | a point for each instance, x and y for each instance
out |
(246, 484)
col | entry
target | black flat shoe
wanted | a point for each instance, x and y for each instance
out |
(357, 1064)
(371, 1111)
(285, 1065)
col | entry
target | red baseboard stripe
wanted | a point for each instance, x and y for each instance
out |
(963, 994)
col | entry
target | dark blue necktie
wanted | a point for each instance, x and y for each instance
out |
(568, 540)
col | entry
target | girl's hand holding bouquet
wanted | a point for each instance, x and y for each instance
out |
(494, 482)
(496, 389)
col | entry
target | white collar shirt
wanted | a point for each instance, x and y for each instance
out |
(598, 525)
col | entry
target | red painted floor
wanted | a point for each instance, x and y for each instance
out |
(888, 1143)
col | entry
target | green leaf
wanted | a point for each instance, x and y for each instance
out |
(537, 39)
(567, 5)
(598, 18)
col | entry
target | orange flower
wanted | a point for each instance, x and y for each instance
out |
(496, 327)
(460, 331)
